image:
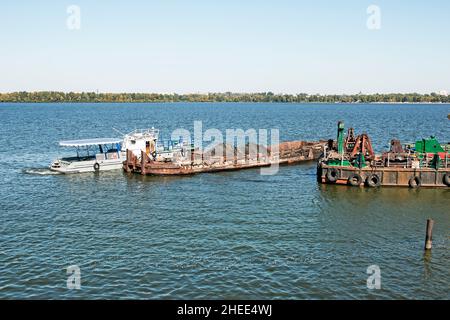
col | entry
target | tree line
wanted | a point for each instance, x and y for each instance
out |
(55, 96)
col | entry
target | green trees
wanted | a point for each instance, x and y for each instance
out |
(54, 96)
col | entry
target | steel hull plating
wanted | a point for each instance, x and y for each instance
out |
(86, 166)
(388, 176)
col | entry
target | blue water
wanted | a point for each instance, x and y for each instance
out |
(223, 235)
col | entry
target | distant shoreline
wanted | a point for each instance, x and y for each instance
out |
(261, 97)
(223, 102)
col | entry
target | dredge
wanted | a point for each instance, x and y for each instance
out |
(151, 156)
(351, 160)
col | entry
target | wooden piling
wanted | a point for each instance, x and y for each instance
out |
(129, 155)
(143, 162)
(429, 234)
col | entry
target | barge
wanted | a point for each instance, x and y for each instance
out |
(183, 158)
(350, 160)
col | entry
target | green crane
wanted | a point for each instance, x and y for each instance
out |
(340, 137)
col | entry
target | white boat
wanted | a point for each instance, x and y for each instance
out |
(103, 154)
(93, 155)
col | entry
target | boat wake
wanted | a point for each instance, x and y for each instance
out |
(40, 171)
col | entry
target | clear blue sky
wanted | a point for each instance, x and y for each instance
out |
(215, 46)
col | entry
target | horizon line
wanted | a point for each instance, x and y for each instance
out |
(441, 92)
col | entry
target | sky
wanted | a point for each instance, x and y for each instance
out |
(172, 46)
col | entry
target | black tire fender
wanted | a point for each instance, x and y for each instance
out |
(415, 182)
(447, 179)
(332, 175)
(355, 180)
(96, 167)
(373, 181)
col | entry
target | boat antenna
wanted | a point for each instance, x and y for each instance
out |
(121, 133)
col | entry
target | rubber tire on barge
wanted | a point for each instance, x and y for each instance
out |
(373, 181)
(96, 167)
(332, 175)
(447, 179)
(415, 182)
(355, 180)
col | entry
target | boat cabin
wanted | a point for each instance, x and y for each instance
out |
(89, 149)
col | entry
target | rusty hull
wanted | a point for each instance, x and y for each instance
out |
(288, 153)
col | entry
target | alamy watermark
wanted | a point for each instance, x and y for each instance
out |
(241, 147)
(74, 279)
(73, 21)
(374, 279)
(374, 19)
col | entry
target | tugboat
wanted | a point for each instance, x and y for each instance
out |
(350, 160)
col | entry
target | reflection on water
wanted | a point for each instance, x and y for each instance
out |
(427, 264)
(226, 235)
(388, 195)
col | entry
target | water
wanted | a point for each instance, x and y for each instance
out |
(224, 235)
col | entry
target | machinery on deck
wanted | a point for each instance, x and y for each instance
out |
(349, 150)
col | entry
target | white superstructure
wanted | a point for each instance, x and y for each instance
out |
(141, 140)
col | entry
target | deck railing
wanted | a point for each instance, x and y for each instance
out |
(414, 160)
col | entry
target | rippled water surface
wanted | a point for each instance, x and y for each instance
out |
(224, 235)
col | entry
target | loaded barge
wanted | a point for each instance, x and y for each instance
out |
(350, 160)
(183, 158)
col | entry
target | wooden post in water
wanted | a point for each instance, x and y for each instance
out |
(143, 162)
(429, 234)
(128, 160)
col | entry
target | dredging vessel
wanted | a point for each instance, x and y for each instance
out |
(351, 160)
